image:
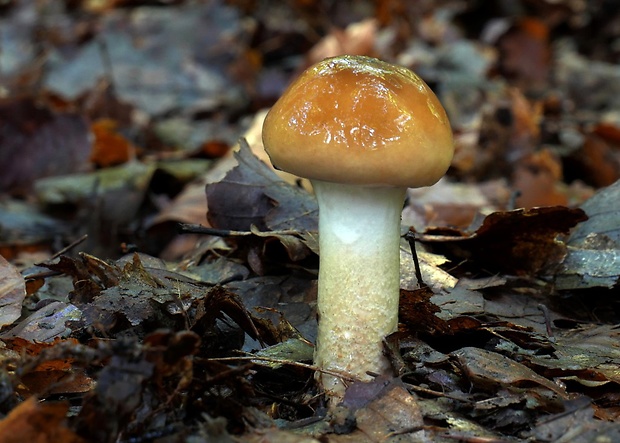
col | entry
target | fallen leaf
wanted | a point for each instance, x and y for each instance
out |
(357, 39)
(488, 369)
(38, 142)
(252, 194)
(48, 368)
(173, 66)
(419, 313)
(576, 424)
(586, 354)
(46, 324)
(110, 147)
(596, 161)
(593, 258)
(127, 182)
(24, 227)
(394, 412)
(536, 178)
(12, 293)
(37, 422)
(516, 242)
(289, 351)
(525, 54)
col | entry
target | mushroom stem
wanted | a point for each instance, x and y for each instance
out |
(359, 278)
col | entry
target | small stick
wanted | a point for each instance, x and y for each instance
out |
(280, 361)
(547, 317)
(410, 237)
(186, 228)
(71, 245)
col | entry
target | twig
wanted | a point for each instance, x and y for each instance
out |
(410, 237)
(547, 317)
(71, 245)
(188, 228)
(339, 374)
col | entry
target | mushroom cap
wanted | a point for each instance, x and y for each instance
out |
(359, 120)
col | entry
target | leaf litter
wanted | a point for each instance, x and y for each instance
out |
(510, 335)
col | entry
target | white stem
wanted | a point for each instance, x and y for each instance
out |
(359, 282)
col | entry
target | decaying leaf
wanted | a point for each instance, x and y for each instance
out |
(108, 293)
(252, 194)
(46, 324)
(576, 424)
(12, 293)
(137, 375)
(51, 368)
(525, 53)
(39, 142)
(418, 313)
(588, 355)
(110, 147)
(394, 412)
(593, 258)
(128, 181)
(488, 369)
(516, 242)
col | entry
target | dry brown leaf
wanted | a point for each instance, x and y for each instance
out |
(395, 412)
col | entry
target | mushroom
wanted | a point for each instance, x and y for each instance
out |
(363, 131)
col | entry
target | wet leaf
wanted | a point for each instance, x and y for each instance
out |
(593, 258)
(47, 323)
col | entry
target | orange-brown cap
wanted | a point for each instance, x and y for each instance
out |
(359, 120)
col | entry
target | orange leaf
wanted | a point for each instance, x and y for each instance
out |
(37, 422)
(110, 147)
